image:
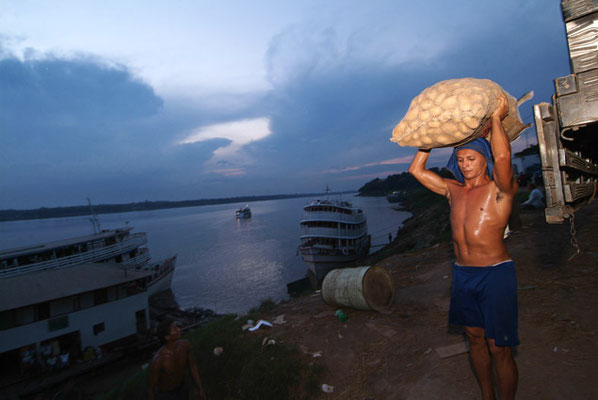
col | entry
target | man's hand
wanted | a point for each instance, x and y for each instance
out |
(503, 107)
(198, 394)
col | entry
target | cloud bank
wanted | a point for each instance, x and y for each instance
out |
(83, 125)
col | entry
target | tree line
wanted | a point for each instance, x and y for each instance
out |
(74, 211)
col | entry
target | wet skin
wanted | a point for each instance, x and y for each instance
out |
(480, 207)
(479, 213)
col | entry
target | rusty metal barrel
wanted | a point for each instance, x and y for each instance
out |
(363, 288)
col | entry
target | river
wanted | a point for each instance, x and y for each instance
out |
(223, 264)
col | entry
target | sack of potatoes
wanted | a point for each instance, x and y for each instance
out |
(456, 111)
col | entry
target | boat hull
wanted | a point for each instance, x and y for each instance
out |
(320, 261)
(162, 277)
(333, 235)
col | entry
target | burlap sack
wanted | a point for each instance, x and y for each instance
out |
(454, 112)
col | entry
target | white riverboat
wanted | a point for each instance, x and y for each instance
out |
(334, 234)
(59, 298)
(243, 212)
(112, 246)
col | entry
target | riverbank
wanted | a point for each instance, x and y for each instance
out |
(411, 353)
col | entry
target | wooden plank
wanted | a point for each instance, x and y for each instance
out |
(452, 350)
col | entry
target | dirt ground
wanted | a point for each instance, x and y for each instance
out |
(394, 355)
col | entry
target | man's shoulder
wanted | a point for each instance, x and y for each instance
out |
(159, 355)
(453, 183)
(487, 187)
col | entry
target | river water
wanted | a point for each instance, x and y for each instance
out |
(223, 264)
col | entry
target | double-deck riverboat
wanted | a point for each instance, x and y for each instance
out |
(334, 234)
(59, 298)
(110, 246)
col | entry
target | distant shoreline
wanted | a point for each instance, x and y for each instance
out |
(74, 211)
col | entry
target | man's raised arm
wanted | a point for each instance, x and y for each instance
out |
(429, 179)
(501, 150)
(153, 379)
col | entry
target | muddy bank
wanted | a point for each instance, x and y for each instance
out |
(164, 305)
(411, 353)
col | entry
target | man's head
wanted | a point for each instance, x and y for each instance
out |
(168, 329)
(471, 163)
(471, 160)
(531, 185)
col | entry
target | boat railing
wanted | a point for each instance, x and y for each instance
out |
(165, 267)
(130, 243)
(141, 259)
(333, 232)
(331, 216)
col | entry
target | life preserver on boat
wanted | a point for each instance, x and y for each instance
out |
(345, 251)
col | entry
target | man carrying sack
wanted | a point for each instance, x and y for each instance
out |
(484, 292)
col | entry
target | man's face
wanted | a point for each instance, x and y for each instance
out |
(471, 163)
(175, 331)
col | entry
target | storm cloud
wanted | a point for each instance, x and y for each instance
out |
(84, 125)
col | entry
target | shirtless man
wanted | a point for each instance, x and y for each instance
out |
(484, 292)
(167, 372)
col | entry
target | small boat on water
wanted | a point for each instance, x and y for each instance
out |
(334, 234)
(394, 197)
(243, 212)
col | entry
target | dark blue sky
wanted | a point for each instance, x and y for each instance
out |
(173, 106)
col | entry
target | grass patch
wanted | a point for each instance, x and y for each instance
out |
(245, 370)
(264, 307)
(134, 387)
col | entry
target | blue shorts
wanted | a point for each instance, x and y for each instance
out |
(486, 297)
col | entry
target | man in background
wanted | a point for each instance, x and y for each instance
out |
(167, 371)
(536, 197)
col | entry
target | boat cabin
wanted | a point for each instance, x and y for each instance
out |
(58, 313)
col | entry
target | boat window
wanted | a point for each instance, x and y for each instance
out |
(43, 311)
(58, 323)
(23, 315)
(6, 321)
(98, 328)
(8, 263)
(100, 296)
